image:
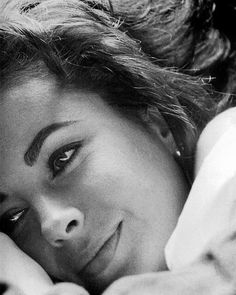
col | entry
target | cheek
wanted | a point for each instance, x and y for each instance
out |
(30, 241)
(100, 178)
(95, 189)
(33, 244)
(117, 178)
(111, 185)
(29, 238)
(37, 248)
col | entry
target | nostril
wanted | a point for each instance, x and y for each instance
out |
(3, 288)
(71, 225)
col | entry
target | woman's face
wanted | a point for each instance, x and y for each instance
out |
(88, 194)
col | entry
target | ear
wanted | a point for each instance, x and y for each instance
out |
(161, 129)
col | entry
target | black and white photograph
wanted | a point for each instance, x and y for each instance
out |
(117, 147)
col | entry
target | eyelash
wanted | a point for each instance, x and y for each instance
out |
(9, 221)
(65, 159)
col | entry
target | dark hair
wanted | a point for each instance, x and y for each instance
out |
(82, 43)
(196, 36)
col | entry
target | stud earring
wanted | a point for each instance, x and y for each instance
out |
(177, 154)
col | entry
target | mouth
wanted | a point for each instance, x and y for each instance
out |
(103, 256)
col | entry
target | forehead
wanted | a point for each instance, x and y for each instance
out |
(21, 104)
(27, 108)
(35, 93)
(37, 102)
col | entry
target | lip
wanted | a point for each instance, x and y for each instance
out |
(103, 256)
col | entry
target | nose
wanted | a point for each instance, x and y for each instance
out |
(61, 224)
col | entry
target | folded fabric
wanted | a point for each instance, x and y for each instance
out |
(210, 207)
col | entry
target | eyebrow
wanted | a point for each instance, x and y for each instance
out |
(34, 149)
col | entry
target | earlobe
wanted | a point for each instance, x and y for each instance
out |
(168, 140)
(160, 128)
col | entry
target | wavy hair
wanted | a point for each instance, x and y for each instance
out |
(196, 36)
(84, 44)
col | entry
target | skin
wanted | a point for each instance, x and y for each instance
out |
(21, 273)
(121, 187)
(214, 271)
(213, 274)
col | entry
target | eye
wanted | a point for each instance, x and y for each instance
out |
(62, 157)
(10, 221)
